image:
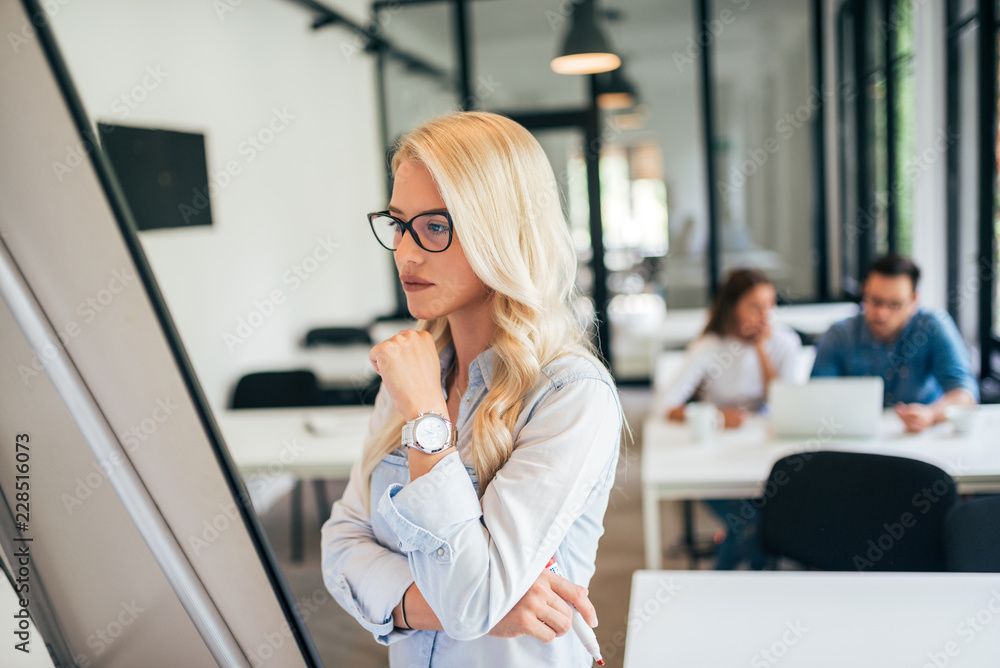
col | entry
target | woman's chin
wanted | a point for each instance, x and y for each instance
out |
(422, 311)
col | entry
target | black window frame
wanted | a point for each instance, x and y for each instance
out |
(983, 14)
(861, 59)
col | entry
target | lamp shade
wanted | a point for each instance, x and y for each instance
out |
(615, 91)
(585, 49)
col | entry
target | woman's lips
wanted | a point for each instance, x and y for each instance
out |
(415, 285)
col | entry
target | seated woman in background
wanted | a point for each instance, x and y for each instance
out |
(731, 365)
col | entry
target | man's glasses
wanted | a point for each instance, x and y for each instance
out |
(432, 231)
(875, 302)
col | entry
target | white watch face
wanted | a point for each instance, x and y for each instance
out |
(431, 432)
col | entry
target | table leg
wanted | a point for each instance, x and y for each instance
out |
(319, 485)
(651, 529)
(689, 545)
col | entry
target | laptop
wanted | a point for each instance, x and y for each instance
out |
(826, 408)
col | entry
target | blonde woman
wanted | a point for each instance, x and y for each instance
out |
(494, 438)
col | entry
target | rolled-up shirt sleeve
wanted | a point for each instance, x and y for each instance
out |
(365, 577)
(474, 559)
(950, 363)
(688, 377)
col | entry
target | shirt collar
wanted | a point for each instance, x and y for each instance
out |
(481, 369)
(866, 337)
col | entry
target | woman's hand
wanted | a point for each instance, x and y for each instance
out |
(762, 335)
(545, 611)
(411, 373)
(733, 416)
(676, 413)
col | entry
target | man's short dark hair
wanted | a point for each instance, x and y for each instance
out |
(896, 265)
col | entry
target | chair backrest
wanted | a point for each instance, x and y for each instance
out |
(276, 389)
(338, 336)
(361, 393)
(844, 511)
(972, 536)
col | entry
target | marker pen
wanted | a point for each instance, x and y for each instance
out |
(583, 631)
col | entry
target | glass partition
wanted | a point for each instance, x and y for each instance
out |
(766, 105)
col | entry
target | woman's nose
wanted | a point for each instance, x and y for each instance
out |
(408, 250)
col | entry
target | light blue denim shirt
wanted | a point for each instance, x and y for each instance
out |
(475, 553)
(926, 360)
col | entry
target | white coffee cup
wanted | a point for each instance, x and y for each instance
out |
(703, 419)
(966, 419)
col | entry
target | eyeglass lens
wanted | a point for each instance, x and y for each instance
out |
(433, 231)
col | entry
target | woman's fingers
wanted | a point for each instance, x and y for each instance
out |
(545, 611)
(557, 615)
(411, 372)
(576, 596)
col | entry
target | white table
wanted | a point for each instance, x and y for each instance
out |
(307, 442)
(273, 445)
(814, 619)
(674, 467)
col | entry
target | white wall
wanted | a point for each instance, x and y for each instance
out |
(297, 202)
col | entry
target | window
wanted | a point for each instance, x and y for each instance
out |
(877, 131)
(972, 171)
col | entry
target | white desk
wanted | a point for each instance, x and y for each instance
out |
(306, 442)
(819, 620)
(737, 465)
(276, 448)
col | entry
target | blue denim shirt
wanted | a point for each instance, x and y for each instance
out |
(927, 359)
(474, 553)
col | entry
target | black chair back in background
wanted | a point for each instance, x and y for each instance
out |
(972, 536)
(847, 511)
(338, 336)
(277, 389)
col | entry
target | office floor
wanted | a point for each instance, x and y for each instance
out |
(340, 641)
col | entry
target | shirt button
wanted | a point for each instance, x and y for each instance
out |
(440, 551)
(904, 372)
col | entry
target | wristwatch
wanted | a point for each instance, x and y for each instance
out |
(429, 432)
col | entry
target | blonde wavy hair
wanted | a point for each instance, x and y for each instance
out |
(501, 192)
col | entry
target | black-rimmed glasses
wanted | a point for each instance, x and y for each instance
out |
(432, 231)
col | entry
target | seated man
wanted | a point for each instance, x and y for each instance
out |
(918, 352)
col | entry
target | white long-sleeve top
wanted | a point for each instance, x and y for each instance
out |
(727, 370)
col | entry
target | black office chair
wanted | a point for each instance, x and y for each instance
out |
(972, 536)
(358, 392)
(285, 389)
(847, 511)
(338, 336)
(276, 389)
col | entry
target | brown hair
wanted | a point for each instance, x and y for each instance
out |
(722, 320)
(895, 265)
